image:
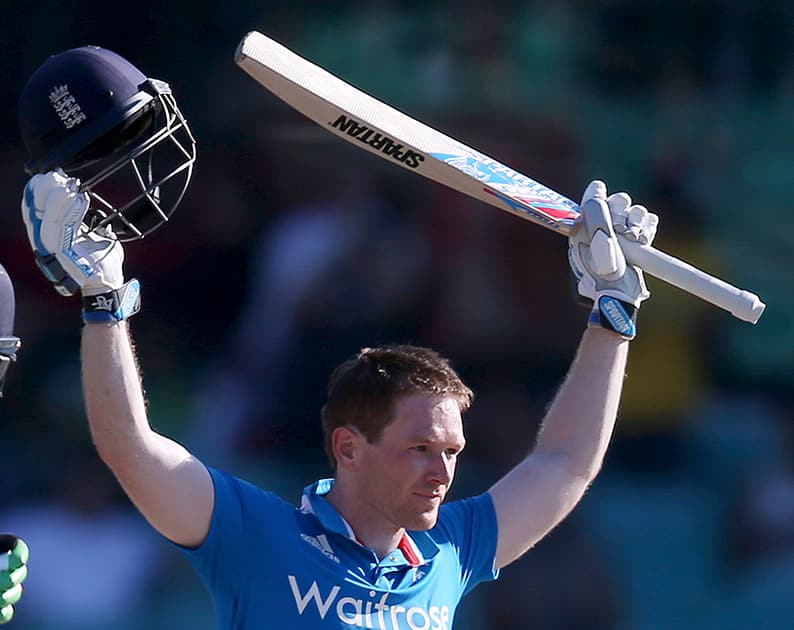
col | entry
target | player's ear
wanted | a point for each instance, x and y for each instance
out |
(344, 442)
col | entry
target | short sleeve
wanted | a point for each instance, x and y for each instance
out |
(238, 511)
(470, 527)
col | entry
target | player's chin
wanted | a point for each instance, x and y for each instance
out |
(424, 521)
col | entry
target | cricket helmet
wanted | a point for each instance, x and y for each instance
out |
(94, 115)
(9, 344)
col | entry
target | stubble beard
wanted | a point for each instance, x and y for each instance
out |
(422, 521)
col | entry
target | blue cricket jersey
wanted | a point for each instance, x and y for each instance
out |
(270, 565)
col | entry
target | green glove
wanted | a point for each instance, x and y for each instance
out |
(14, 554)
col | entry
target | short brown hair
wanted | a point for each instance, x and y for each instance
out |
(362, 391)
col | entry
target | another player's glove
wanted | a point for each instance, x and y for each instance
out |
(14, 556)
(615, 288)
(70, 255)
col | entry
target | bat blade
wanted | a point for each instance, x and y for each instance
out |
(383, 130)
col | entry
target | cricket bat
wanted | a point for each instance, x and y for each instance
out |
(381, 129)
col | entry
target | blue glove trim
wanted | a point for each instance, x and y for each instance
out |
(615, 315)
(46, 260)
(113, 306)
(68, 238)
(55, 273)
(34, 221)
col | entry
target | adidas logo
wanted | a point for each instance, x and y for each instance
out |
(321, 542)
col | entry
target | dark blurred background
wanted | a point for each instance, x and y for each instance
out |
(293, 249)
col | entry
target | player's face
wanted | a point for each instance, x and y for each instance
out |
(406, 474)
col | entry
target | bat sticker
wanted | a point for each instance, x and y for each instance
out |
(516, 191)
(542, 210)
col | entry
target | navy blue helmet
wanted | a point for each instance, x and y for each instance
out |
(9, 344)
(94, 115)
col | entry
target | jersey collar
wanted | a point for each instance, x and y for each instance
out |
(417, 547)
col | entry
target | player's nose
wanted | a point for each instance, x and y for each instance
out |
(443, 469)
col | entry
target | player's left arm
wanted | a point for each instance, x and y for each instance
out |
(538, 493)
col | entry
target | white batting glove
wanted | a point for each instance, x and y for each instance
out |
(615, 288)
(72, 257)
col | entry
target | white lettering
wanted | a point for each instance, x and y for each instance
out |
(301, 601)
(355, 618)
(434, 612)
(369, 610)
(396, 610)
(372, 613)
(381, 607)
(615, 314)
(444, 617)
(414, 612)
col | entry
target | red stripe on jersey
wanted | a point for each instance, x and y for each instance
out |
(408, 551)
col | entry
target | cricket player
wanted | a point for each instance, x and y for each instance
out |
(14, 553)
(375, 546)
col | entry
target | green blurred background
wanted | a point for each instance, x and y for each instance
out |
(293, 249)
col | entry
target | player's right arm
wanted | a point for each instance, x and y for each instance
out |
(170, 487)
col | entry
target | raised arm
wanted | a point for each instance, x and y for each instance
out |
(538, 493)
(170, 487)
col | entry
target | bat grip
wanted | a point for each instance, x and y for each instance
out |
(741, 304)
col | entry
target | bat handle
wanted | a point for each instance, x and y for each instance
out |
(741, 304)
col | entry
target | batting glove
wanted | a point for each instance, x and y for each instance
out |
(70, 255)
(615, 288)
(14, 556)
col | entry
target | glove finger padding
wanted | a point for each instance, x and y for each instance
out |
(11, 595)
(14, 555)
(71, 256)
(6, 614)
(641, 225)
(596, 257)
(106, 255)
(619, 204)
(601, 252)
